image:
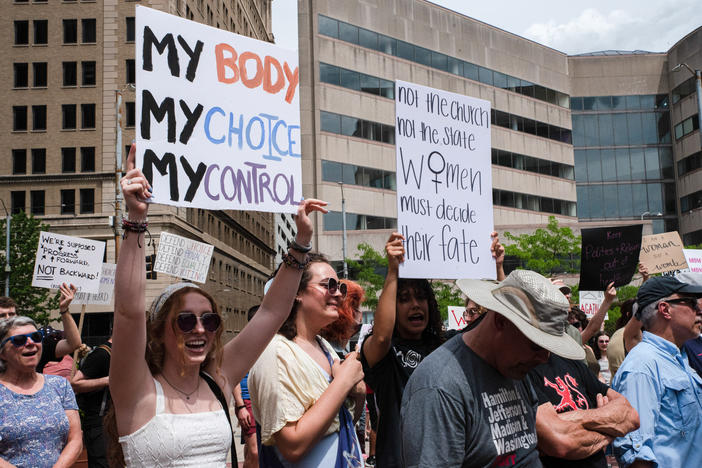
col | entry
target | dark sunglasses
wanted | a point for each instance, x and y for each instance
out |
(21, 340)
(333, 285)
(187, 321)
(691, 302)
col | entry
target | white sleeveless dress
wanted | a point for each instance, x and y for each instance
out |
(179, 440)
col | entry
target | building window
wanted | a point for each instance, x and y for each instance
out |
(40, 74)
(70, 73)
(87, 159)
(89, 29)
(88, 73)
(36, 198)
(87, 201)
(690, 163)
(357, 81)
(38, 118)
(38, 160)
(70, 31)
(68, 116)
(130, 28)
(22, 32)
(68, 201)
(41, 32)
(532, 164)
(130, 108)
(130, 72)
(68, 160)
(351, 126)
(19, 161)
(87, 116)
(333, 221)
(18, 201)
(19, 118)
(687, 126)
(350, 174)
(21, 73)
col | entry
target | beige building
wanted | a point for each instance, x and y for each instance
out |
(64, 64)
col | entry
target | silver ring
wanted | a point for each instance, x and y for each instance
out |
(128, 181)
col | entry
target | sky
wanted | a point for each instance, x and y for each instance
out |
(571, 26)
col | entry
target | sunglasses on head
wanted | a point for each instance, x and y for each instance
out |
(333, 285)
(187, 321)
(21, 340)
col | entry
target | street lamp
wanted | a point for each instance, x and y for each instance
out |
(343, 228)
(646, 213)
(698, 87)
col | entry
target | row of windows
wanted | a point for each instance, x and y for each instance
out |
(351, 174)
(68, 160)
(533, 127)
(533, 202)
(40, 74)
(687, 126)
(690, 163)
(37, 201)
(40, 28)
(684, 89)
(395, 47)
(632, 102)
(611, 201)
(69, 117)
(357, 81)
(351, 126)
(333, 221)
(622, 164)
(532, 164)
(623, 129)
(691, 202)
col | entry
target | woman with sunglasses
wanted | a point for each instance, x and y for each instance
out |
(167, 407)
(298, 387)
(39, 422)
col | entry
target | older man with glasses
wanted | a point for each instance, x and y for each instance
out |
(658, 381)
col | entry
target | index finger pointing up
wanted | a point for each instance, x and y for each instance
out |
(131, 158)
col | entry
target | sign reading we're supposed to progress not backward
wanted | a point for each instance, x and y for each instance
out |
(219, 117)
(65, 259)
(444, 183)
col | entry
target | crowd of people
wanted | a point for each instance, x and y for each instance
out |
(530, 381)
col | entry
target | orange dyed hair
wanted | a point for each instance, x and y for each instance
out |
(344, 327)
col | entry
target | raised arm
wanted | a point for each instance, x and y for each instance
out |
(632, 333)
(71, 337)
(596, 321)
(377, 345)
(498, 253)
(241, 352)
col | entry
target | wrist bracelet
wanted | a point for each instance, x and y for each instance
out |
(239, 407)
(292, 262)
(63, 311)
(134, 226)
(300, 248)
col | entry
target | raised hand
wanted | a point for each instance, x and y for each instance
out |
(395, 250)
(303, 221)
(67, 294)
(610, 293)
(135, 188)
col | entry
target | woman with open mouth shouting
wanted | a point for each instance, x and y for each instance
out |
(169, 373)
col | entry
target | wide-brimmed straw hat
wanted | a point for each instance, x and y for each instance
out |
(534, 305)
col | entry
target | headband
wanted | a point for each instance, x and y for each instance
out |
(165, 294)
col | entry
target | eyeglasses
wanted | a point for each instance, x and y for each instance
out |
(21, 340)
(691, 302)
(4, 315)
(333, 285)
(187, 321)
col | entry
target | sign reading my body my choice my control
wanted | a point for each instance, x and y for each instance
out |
(219, 117)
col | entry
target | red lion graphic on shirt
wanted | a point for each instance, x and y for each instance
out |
(567, 389)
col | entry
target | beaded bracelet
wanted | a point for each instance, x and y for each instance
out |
(292, 262)
(134, 226)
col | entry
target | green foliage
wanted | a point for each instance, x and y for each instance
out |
(551, 250)
(446, 295)
(24, 239)
(369, 270)
(624, 293)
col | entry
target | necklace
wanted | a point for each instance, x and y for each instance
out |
(187, 395)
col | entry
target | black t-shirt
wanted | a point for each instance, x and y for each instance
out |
(569, 386)
(48, 352)
(388, 379)
(95, 365)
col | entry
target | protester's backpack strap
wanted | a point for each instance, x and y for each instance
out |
(225, 406)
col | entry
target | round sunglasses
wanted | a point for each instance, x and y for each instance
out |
(187, 321)
(333, 285)
(21, 340)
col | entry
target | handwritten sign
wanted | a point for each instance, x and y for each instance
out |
(105, 294)
(444, 183)
(693, 259)
(219, 117)
(183, 257)
(65, 259)
(662, 252)
(609, 254)
(455, 318)
(590, 302)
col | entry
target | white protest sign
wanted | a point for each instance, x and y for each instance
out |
(183, 257)
(219, 117)
(65, 259)
(694, 260)
(363, 333)
(590, 302)
(455, 318)
(444, 183)
(105, 294)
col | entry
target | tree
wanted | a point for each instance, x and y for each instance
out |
(24, 239)
(446, 295)
(369, 270)
(547, 251)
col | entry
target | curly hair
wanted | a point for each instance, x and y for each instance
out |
(433, 334)
(341, 329)
(595, 347)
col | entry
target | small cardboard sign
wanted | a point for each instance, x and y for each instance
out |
(105, 294)
(662, 252)
(693, 259)
(590, 302)
(182, 257)
(609, 254)
(455, 318)
(65, 259)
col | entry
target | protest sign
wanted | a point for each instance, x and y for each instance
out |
(183, 257)
(609, 254)
(693, 258)
(219, 117)
(662, 252)
(105, 294)
(65, 259)
(444, 183)
(455, 318)
(590, 302)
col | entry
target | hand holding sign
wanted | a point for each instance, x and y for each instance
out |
(395, 249)
(67, 294)
(135, 188)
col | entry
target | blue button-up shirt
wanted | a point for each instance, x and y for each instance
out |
(658, 382)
